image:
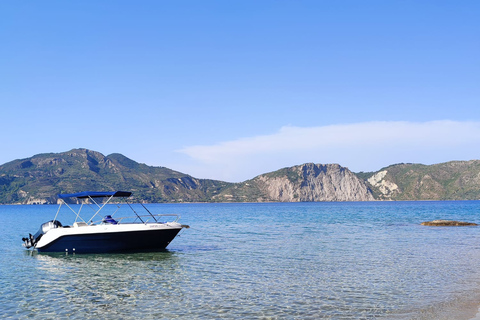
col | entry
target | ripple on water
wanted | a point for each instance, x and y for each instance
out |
(304, 261)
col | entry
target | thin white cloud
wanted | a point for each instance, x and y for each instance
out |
(361, 146)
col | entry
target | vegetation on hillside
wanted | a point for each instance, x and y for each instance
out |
(454, 180)
(40, 178)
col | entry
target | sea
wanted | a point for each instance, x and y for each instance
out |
(326, 260)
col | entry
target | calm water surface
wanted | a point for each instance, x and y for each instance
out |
(258, 261)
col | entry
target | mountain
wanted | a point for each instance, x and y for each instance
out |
(455, 180)
(307, 182)
(40, 178)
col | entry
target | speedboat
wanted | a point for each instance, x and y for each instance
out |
(104, 233)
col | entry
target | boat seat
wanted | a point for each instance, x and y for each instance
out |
(80, 224)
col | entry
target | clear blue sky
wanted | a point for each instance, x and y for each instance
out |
(232, 89)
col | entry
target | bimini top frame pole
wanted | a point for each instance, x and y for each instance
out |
(100, 207)
(91, 195)
(77, 213)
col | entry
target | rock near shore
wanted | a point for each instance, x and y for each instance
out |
(447, 223)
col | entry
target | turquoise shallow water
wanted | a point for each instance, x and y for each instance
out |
(258, 261)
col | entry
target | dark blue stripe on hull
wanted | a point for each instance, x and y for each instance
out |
(149, 240)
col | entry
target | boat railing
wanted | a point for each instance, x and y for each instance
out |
(144, 218)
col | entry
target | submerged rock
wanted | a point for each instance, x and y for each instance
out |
(447, 223)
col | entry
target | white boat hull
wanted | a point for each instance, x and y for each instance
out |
(105, 238)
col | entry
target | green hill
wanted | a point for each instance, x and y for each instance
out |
(455, 180)
(40, 178)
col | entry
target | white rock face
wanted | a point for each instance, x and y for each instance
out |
(37, 201)
(315, 182)
(384, 186)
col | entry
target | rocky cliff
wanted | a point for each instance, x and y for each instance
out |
(38, 179)
(307, 182)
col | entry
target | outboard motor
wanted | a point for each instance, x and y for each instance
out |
(31, 241)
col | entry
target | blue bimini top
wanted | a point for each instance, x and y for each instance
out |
(95, 194)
